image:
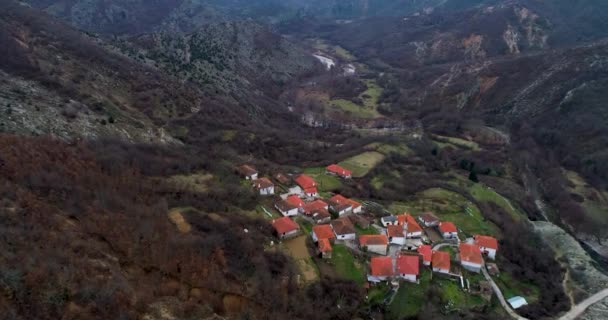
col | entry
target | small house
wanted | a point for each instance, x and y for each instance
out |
(337, 170)
(285, 227)
(315, 205)
(286, 208)
(264, 186)
(295, 201)
(344, 229)
(411, 227)
(308, 185)
(324, 248)
(388, 221)
(375, 243)
(340, 205)
(487, 245)
(322, 231)
(426, 251)
(448, 230)
(440, 261)
(248, 172)
(428, 219)
(380, 269)
(517, 302)
(408, 267)
(470, 257)
(396, 235)
(320, 216)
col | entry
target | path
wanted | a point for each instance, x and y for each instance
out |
(578, 309)
(501, 298)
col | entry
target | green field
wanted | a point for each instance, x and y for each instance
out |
(361, 164)
(444, 141)
(334, 50)
(346, 266)
(326, 183)
(511, 287)
(370, 103)
(410, 297)
(449, 206)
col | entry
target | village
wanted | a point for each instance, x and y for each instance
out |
(400, 248)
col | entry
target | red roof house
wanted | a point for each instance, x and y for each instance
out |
(315, 205)
(376, 243)
(448, 230)
(413, 229)
(295, 201)
(380, 269)
(307, 184)
(341, 204)
(285, 227)
(487, 245)
(408, 267)
(339, 171)
(325, 248)
(440, 262)
(323, 231)
(470, 256)
(426, 252)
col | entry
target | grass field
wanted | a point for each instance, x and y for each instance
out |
(361, 164)
(511, 288)
(449, 206)
(368, 110)
(410, 297)
(444, 141)
(326, 183)
(335, 50)
(595, 201)
(346, 266)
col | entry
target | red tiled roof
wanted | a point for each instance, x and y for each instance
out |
(311, 190)
(324, 245)
(395, 231)
(486, 242)
(295, 201)
(426, 251)
(412, 225)
(284, 225)
(441, 260)
(315, 205)
(470, 253)
(447, 226)
(323, 231)
(342, 200)
(342, 226)
(305, 181)
(263, 183)
(408, 265)
(334, 168)
(373, 240)
(381, 266)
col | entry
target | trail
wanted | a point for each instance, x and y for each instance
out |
(578, 309)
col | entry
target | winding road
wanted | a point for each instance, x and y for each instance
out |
(578, 309)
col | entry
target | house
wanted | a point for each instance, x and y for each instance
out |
(320, 216)
(380, 269)
(448, 230)
(343, 229)
(428, 219)
(396, 235)
(315, 205)
(375, 243)
(307, 184)
(285, 227)
(340, 205)
(487, 245)
(440, 261)
(412, 228)
(295, 201)
(426, 251)
(408, 267)
(470, 257)
(295, 190)
(282, 179)
(388, 221)
(517, 302)
(264, 186)
(286, 208)
(337, 170)
(248, 172)
(323, 231)
(324, 248)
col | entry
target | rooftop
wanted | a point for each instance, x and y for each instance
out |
(381, 266)
(373, 240)
(395, 231)
(426, 251)
(470, 253)
(305, 181)
(408, 265)
(441, 260)
(284, 225)
(486, 242)
(263, 183)
(447, 226)
(323, 231)
(343, 226)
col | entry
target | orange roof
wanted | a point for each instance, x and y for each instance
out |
(447, 227)
(408, 265)
(323, 231)
(426, 251)
(334, 168)
(381, 266)
(412, 225)
(342, 200)
(311, 190)
(315, 205)
(395, 231)
(324, 245)
(284, 225)
(441, 260)
(373, 240)
(295, 201)
(470, 253)
(305, 181)
(486, 242)
(263, 183)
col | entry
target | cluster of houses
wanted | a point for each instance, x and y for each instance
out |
(403, 231)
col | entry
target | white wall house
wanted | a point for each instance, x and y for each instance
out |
(377, 244)
(491, 253)
(471, 266)
(286, 209)
(343, 229)
(396, 235)
(408, 267)
(358, 209)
